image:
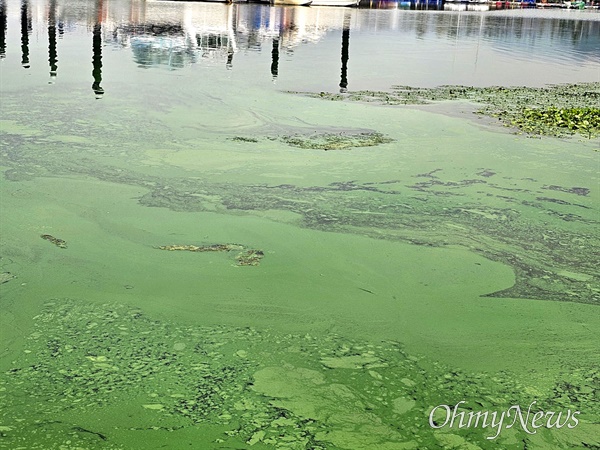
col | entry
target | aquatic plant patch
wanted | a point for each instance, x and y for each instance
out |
(244, 139)
(56, 241)
(244, 257)
(202, 248)
(556, 110)
(325, 140)
(329, 141)
(582, 120)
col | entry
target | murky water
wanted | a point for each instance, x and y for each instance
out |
(329, 271)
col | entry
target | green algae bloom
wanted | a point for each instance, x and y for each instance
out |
(336, 141)
(557, 110)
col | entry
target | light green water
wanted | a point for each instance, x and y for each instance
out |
(454, 263)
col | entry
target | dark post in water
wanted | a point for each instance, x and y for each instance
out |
(345, 45)
(97, 52)
(25, 30)
(52, 54)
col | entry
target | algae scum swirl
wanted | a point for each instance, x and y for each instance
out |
(113, 376)
(486, 210)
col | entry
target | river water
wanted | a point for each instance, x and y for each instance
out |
(184, 266)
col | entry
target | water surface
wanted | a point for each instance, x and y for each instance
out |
(452, 261)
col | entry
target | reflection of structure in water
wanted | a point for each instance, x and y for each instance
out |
(207, 32)
(466, 7)
(52, 55)
(275, 58)
(426, 5)
(212, 45)
(178, 40)
(2, 29)
(172, 50)
(180, 49)
(345, 53)
(379, 4)
(26, 28)
(97, 50)
(404, 4)
(176, 34)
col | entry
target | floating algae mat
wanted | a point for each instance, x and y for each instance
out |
(325, 140)
(108, 376)
(56, 241)
(337, 141)
(244, 257)
(402, 259)
(554, 110)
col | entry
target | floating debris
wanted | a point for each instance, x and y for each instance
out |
(56, 241)
(335, 141)
(246, 257)
(203, 248)
(5, 277)
(244, 139)
(249, 257)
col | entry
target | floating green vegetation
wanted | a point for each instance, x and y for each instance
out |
(249, 257)
(202, 248)
(583, 120)
(326, 140)
(56, 241)
(245, 257)
(244, 139)
(229, 387)
(557, 110)
(333, 141)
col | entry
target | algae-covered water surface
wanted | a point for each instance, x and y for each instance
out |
(243, 226)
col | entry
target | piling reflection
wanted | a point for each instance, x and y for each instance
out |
(275, 58)
(232, 19)
(26, 28)
(61, 28)
(345, 53)
(52, 54)
(97, 51)
(3, 24)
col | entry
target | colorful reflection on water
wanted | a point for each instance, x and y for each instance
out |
(424, 48)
